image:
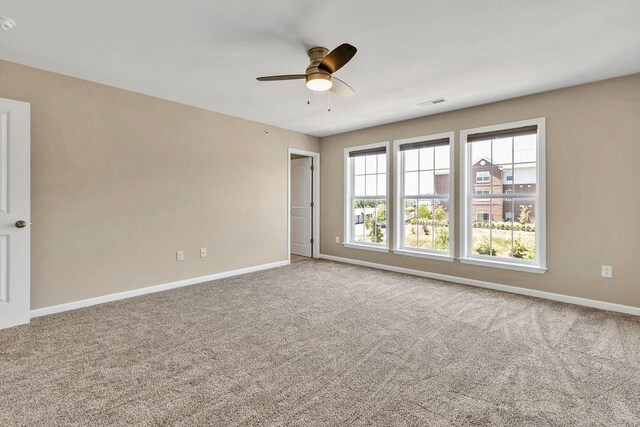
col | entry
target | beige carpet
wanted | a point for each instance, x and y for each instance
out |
(322, 343)
(298, 258)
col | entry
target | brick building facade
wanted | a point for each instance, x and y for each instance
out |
(488, 178)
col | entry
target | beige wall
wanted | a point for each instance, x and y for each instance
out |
(120, 181)
(593, 188)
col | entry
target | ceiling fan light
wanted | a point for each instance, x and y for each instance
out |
(319, 82)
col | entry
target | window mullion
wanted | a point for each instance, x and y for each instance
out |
(491, 205)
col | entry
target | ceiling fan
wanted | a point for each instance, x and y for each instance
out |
(322, 65)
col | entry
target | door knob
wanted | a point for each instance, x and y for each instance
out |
(21, 224)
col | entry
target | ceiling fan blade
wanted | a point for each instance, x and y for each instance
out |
(283, 77)
(341, 88)
(337, 58)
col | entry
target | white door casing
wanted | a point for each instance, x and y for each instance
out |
(14, 207)
(301, 212)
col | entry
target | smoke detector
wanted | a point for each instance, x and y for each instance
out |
(7, 23)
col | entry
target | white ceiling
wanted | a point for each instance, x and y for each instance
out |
(207, 53)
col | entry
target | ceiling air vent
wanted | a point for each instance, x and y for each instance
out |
(432, 102)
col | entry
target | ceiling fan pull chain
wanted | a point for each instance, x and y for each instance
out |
(308, 96)
(329, 100)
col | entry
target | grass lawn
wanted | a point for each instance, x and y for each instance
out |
(416, 237)
(502, 240)
(363, 234)
(437, 237)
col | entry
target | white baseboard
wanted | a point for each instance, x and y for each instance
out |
(151, 289)
(495, 286)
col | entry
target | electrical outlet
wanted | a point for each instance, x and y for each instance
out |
(607, 271)
(180, 256)
(203, 252)
(337, 239)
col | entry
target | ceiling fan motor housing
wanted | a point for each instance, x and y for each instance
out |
(316, 55)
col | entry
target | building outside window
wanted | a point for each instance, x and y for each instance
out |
(483, 176)
(508, 175)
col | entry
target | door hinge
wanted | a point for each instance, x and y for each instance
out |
(312, 167)
(311, 241)
(312, 204)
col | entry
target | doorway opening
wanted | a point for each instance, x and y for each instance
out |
(303, 204)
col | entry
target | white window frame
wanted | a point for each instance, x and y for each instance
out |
(486, 174)
(488, 214)
(398, 190)
(348, 192)
(539, 265)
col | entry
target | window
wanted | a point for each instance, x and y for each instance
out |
(510, 231)
(423, 189)
(508, 175)
(366, 197)
(508, 191)
(483, 176)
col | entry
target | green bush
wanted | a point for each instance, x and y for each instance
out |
(523, 218)
(484, 247)
(439, 213)
(442, 240)
(522, 250)
(373, 224)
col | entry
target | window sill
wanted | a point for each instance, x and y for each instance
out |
(366, 247)
(428, 255)
(506, 265)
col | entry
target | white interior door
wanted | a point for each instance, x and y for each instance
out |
(301, 211)
(14, 212)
